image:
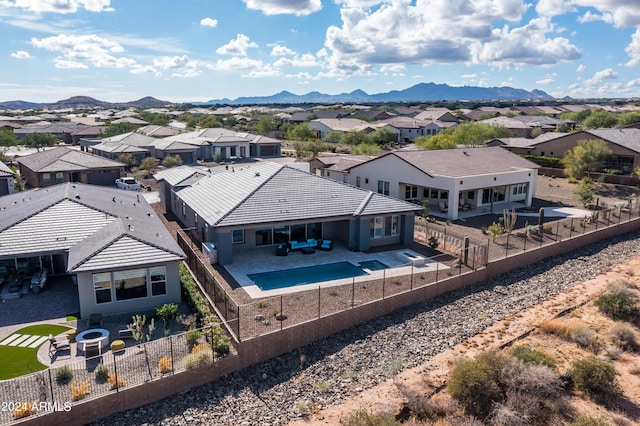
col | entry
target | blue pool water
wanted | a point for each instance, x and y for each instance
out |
(373, 265)
(309, 275)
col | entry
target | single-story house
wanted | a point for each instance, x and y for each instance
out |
(335, 165)
(110, 241)
(62, 164)
(63, 131)
(624, 144)
(264, 204)
(452, 180)
(324, 126)
(6, 179)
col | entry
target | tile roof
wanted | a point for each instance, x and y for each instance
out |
(5, 171)
(464, 162)
(65, 159)
(175, 176)
(84, 220)
(627, 137)
(269, 192)
(131, 138)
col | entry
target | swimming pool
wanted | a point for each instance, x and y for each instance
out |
(311, 274)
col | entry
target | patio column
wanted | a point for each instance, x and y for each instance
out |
(453, 203)
(227, 152)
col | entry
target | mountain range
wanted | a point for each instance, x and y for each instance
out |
(417, 93)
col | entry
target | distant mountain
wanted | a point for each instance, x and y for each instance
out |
(418, 93)
(85, 102)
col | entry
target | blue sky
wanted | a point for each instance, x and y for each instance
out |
(196, 50)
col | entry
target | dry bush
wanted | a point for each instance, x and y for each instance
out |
(79, 390)
(518, 409)
(562, 327)
(116, 381)
(165, 365)
(623, 336)
(624, 287)
(595, 377)
(537, 380)
(586, 338)
(363, 417)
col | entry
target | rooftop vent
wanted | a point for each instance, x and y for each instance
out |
(257, 174)
(77, 196)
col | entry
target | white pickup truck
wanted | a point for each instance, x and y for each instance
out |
(128, 183)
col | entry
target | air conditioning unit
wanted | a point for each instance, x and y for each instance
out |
(209, 249)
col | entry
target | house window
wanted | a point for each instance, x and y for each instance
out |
(499, 193)
(130, 284)
(384, 226)
(264, 237)
(358, 181)
(410, 192)
(344, 178)
(314, 230)
(471, 195)
(102, 287)
(366, 181)
(46, 179)
(281, 234)
(520, 188)
(328, 173)
(383, 187)
(237, 236)
(195, 220)
(425, 192)
(184, 210)
(59, 177)
(444, 195)
(158, 276)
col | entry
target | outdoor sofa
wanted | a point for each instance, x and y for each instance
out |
(299, 245)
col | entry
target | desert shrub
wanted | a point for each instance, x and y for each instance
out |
(200, 355)
(79, 390)
(528, 355)
(363, 417)
(101, 372)
(64, 374)
(165, 365)
(24, 410)
(197, 302)
(618, 306)
(116, 381)
(536, 380)
(595, 377)
(562, 327)
(583, 336)
(518, 409)
(219, 340)
(474, 383)
(193, 336)
(623, 336)
(585, 420)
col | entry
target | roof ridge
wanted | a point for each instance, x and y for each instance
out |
(234, 208)
(363, 204)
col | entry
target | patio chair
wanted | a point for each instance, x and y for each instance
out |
(92, 350)
(443, 206)
(282, 249)
(58, 345)
(125, 333)
(95, 320)
(326, 245)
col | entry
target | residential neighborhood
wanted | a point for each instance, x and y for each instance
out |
(258, 222)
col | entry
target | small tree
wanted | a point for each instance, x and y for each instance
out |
(167, 313)
(149, 164)
(586, 157)
(40, 140)
(172, 161)
(494, 230)
(584, 192)
(425, 208)
(595, 377)
(126, 158)
(137, 328)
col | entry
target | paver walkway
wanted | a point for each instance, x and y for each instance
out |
(24, 340)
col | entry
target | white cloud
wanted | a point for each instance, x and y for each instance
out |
(237, 46)
(262, 72)
(142, 69)
(554, 7)
(546, 80)
(592, 17)
(633, 49)
(599, 77)
(469, 75)
(209, 22)
(62, 6)
(403, 32)
(302, 61)
(63, 64)
(393, 69)
(581, 68)
(280, 7)
(300, 76)
(181, 66)
(21, 54)
(238, 64)
(91, 49)
(278, 50)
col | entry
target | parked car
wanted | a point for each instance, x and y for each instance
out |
(128, 183)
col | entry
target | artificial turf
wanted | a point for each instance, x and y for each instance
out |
(16, 361)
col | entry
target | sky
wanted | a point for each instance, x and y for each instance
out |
(197, 50)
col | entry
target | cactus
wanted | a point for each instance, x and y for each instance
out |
(509, 218)
(540, 218)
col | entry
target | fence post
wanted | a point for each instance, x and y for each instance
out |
(557, 230)
(238, 330)
(383, 282)
(524, 242)
(115, 372)
(281, 314)
(173, 361)
(318, 301)
(411, 285)
(460, 263)
(506, 251)
(571, 228)
(444, 243)
(437, 265)
(51, 385)
(474, 258)
(353, 291)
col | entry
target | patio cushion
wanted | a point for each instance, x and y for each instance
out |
(326, 245)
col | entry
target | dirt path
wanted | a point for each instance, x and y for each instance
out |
(424, 379)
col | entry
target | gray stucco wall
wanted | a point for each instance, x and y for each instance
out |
(89, 306)
(224, 243)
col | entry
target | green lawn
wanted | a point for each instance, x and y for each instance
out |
(16, 361)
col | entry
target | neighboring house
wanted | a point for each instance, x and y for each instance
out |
(623, 143)
(158, 131)
(6, 179)
(371, 115)
(138, 145)
(302, 116)
(324, 126)
(63, 131)
(131, 120)
(517, 128)
(122, 257)
(334, 166)
(264, 204)
(408, 129)
(525, 145)
(476, 178)
(437, 114)
(59, 165)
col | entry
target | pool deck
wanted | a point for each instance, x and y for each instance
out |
(260, 260)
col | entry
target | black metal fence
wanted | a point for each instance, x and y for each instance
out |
(58, 388)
